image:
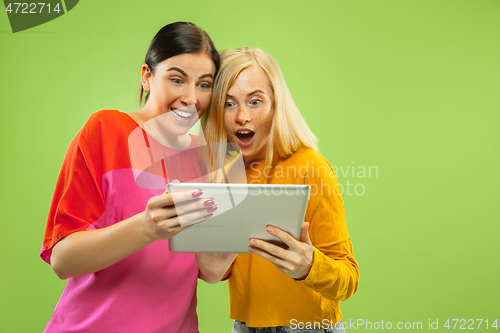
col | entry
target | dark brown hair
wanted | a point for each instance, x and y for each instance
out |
(179, 38)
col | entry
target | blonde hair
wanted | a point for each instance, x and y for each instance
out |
(289, 131)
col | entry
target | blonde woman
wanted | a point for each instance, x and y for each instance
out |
(275, 289)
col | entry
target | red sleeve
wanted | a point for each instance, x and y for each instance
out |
(78, 200)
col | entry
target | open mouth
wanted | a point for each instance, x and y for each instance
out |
(182, 114)
(245, 136)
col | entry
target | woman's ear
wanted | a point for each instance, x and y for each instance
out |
(145, 77)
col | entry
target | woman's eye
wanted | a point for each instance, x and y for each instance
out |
(255, 102)
(176, 81)
(204, 85)
(228, 105)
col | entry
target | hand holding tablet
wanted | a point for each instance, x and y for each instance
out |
(296, 260)
(164, 220)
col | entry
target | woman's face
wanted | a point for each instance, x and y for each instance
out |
(179, 90)
(248, 113)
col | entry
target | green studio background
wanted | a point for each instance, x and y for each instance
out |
(402, 94)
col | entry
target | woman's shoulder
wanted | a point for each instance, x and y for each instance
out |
(109, 121)
(314, 168)
(307, 156)
(103, 126)
(309, 163)
(110, 116)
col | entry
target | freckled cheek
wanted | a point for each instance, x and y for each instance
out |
(265, 131)
(265, 123)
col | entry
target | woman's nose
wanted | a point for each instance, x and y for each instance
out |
(243, 116)
(189, 96)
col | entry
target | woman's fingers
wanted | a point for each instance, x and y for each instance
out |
(187, 219)
(268, 254)
(169, 213)
(184, 211)
(296, 261)
(193, 217)
(273, 250)
(281, 258)
(284, 236)
(184, 207)
(304, 235)
(169, 198)
(176, 197)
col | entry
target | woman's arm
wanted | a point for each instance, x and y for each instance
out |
(336, 279)
(333, 270)
(85, 252)
(213, 266)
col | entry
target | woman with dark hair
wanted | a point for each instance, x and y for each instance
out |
(109, 221)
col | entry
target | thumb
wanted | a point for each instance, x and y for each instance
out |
(304, 235)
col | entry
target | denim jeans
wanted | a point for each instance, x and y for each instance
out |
(239, 327)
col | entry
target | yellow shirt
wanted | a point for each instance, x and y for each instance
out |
(260, 294)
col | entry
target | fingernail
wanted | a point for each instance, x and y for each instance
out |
(253, 242)
(208, 203)
(211, 209)
(208, 216)
(197, 194)
(270, 229)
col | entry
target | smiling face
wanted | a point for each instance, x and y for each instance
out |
(248, 113)
(179, 91)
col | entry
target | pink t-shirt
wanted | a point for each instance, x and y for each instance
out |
(152, 290)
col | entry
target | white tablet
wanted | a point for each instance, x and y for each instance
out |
(244, 211)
